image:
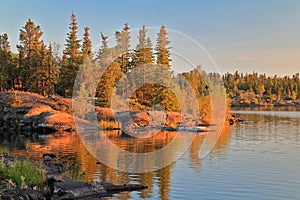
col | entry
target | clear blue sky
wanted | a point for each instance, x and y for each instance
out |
(260, 35)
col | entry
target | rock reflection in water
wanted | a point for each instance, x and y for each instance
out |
(82, 165)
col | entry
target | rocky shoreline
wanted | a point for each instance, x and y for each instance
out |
(29, 112)
(59, 186)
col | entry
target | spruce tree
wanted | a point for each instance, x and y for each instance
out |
(86, 44)
(104, 55)
(143, 52)
(162, 49)
(52, 72)
(6, 64)
(30, 49)
(163, 72)
(143, 58)
(110, 72)
(42, 73)
(72, 60)
(123, 47)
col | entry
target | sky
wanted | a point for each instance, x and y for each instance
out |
(248, 35)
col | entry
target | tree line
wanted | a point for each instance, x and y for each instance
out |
(39, 68)
(273, 88)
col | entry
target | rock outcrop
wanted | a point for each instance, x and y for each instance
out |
(29, 112)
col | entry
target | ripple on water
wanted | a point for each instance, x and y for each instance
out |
(258, 159)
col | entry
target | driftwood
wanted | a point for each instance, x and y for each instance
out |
(111, 188)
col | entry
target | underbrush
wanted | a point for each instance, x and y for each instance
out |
(22, 174)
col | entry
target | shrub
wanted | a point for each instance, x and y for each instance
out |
(22, 173)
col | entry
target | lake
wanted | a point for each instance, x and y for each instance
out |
(257, 159)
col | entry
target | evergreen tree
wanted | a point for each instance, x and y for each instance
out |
(163, 72)
(197, 82)
(123, 47)
(6, 64)
(72, 60)
(110, 72)
(162, 49)
(107, 81)
(41, 76)
(51, 72)
(87, 44)
(143, 52)
(104, 53)
(30, 50)
(85, 85)
(143, 57)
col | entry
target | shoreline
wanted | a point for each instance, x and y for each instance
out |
(295, 104)
(53, 182)
(30, 113)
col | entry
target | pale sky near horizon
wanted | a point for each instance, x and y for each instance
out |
(257, 35)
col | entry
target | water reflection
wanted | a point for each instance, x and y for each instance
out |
(223, 142)
(253, 160)
(275, 125)
(82, 165)
(138, 154)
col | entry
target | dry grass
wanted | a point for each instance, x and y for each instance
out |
(106, 125)
(105, 114)
(59, 110)
(38, 110)
(173, 119)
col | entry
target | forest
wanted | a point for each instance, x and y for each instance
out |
(39, 68)
(261, 89)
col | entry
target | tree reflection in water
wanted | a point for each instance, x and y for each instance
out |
(81, 165)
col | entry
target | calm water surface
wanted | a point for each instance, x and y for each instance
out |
(257, 159)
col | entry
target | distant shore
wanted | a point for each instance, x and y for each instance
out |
(294, 103)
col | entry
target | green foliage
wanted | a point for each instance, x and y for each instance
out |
(162, 51)
(143, 52)
(23, 173)
(107, 82)
(7, 64)
(134, 105)
(274, 88)
(196, 79)
(50, 81)
(123, 48)
(38, 69)
(72, 59)
(86, 44)
(32, 58)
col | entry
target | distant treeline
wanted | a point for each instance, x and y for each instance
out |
(272, 87)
